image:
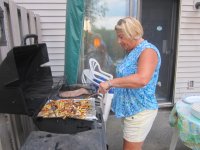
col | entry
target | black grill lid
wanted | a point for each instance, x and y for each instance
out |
(24, 84)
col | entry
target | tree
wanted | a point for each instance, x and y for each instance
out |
(94, 9)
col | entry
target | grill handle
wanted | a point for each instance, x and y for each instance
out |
(28, 36)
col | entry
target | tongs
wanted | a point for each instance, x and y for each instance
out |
(93, 95)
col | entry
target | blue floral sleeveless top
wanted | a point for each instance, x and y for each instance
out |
(130, 101)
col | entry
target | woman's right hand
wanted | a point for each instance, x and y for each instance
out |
(103, 87)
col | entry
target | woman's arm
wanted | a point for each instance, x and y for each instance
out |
(146, 66)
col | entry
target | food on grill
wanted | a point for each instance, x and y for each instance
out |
(74, 93)
(66, 108)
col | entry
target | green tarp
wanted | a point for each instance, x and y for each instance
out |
(73, 38)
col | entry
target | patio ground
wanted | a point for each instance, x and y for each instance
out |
(159, 137)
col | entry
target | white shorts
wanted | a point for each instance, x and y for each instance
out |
(137, 127)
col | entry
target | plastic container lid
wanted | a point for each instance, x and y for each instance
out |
(195, 110)
(192, 99)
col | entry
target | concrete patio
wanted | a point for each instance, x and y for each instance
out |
(159, 137)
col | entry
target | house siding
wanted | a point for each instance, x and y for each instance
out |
(188, 52)
(52, 16)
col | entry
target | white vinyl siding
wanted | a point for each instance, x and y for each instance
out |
(52, 17)
(188, 53)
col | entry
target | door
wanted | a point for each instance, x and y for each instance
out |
(159, 19)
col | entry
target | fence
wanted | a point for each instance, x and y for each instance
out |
(18, 22)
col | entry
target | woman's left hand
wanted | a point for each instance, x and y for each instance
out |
(103, 87)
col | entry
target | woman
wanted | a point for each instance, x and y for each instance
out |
(134, 86)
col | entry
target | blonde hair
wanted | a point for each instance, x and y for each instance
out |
(130, 27)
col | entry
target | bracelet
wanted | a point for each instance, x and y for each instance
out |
(109, 84)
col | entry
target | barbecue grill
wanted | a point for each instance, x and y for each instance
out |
(26, 85)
